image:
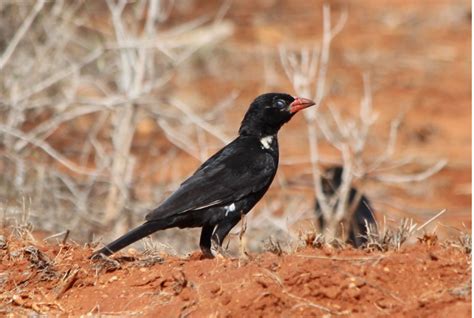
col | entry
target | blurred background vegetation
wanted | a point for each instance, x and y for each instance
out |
(106, 106)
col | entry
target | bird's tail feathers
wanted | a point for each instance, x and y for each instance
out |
(130, 237)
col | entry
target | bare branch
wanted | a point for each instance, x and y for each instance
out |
(50, 125)
(416, 177)
(49, 150)
(20, 33)
(431, 219)
(341, 22)
(58, 76)
(197, 120)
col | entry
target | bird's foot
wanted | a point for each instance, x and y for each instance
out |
(206, 253)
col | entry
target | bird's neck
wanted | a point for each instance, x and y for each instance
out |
(254, 129)
(254, 125)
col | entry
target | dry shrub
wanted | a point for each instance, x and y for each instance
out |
(352, 136)
(81, 76)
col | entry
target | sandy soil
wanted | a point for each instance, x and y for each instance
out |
(428, 279)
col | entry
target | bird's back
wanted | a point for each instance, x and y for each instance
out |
(241, 168)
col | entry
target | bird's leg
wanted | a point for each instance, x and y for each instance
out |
(223, 229)
(205, 241)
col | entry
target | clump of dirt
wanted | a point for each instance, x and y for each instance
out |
(430, 278)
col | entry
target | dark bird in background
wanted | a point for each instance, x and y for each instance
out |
(229, 183)
(357, 237)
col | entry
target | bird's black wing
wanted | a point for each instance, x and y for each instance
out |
(237, 170)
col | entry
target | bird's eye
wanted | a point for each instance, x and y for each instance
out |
(280, 103)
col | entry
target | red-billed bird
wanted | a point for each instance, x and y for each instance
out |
(229, 183)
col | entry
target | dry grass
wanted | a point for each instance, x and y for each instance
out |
(463, 242)
(390, 239)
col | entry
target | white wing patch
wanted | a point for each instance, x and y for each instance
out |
(266, 142)
(229, 208)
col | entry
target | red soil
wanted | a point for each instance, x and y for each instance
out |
(428, 279)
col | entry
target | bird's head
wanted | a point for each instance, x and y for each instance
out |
(268, 112)
(332, 179)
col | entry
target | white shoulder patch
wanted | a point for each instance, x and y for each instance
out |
(266, 141)
(229, 208)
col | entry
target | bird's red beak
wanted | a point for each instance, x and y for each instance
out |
(299, 104)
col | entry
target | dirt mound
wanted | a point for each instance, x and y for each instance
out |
(426, 279)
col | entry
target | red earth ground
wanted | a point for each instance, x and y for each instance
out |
(427, 279)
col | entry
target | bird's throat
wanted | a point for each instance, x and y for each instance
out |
(267, 141)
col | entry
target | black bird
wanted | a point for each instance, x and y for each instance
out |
(357, 237)
(229, 183)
